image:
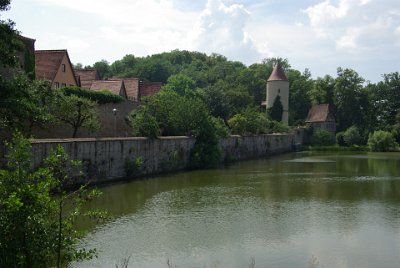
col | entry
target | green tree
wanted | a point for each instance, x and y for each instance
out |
(276, 111)
(299, 102)
(103, 68)
(25, 104)
(381, 141)
(143, 123)
(322, 137)
(35, 228)
(77, 112)
(347, 98)
(352, 136)
(9, 41)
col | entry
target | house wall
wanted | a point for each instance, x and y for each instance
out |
(110, 159)
(66, 77)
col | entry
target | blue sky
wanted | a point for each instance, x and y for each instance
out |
(317, 34)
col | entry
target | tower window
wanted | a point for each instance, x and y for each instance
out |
(63, 68)
(279, 91)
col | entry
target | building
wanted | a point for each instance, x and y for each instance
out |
(115, 86)
(321, 116)
(55, 66)
(85, 77)
(149, 89)
(132, 86)
(278, 85)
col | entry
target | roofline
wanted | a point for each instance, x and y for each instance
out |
(51, 51)
(27, 38)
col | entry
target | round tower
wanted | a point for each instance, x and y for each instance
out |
(278, 85)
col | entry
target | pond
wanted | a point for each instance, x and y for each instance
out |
(294, 210)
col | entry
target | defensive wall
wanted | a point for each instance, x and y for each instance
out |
(112, 159)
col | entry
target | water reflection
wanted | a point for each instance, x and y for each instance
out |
(341, 208)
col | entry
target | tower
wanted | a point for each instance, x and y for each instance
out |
(278, 85)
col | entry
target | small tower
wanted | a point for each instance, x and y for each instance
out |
(277, 84)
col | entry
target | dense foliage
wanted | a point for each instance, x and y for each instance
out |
(35, 228)
(382, 141)
(101, 97)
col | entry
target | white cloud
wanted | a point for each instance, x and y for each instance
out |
(221, 28)
(356, 26)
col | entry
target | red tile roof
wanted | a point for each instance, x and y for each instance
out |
(149, 88)
(277, 74)
(320, 113)
(47, 63)
(116, 87)
(87, 76)
(131, 87)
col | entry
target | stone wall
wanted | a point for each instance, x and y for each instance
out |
(111, 124)
(109, 159)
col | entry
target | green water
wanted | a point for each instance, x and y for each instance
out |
(338, 210)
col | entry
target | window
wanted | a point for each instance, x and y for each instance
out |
(56, 85)
(63, 68)
(279, 91)
(63, 85)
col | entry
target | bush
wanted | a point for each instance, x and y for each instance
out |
(352, 136)
(322, 137)
(221, 129)
(143, 123)
(340, 139)
(381, 141)
(101, 97)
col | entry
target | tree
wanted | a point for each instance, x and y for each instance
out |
(103, 68)
(25, 104)
(77, 112)
(9, 41)
(347, 98)
(143, 123)
(299, 102)
(182, 84)
(381, 141)
(276, 111)
(35, 230)
(321, 91)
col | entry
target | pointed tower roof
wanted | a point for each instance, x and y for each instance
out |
(277, 74)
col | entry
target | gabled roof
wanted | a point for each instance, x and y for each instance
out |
(131, 87)
(47, 63)
(320, 113)
(277, 74)
(149, 88)
(87, 76)
(114, 86)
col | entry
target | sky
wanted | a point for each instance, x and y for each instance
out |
(320, 35)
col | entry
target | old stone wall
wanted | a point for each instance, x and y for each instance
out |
(111, 125)
(108, 159)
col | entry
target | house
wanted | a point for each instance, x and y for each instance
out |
(131, 85)
(321, 116)
(149, 89)
(85, 77)
(115, 86)
(26, 59)
(55, 66)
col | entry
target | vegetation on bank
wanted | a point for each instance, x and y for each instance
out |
(36, 229)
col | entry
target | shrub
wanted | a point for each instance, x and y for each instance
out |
(143, 123)
(101, 97)
(238, 124)
(221, 129)
(277, 127)
(352, 136)
(322, 137)
(340, 139)
(381, 141)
